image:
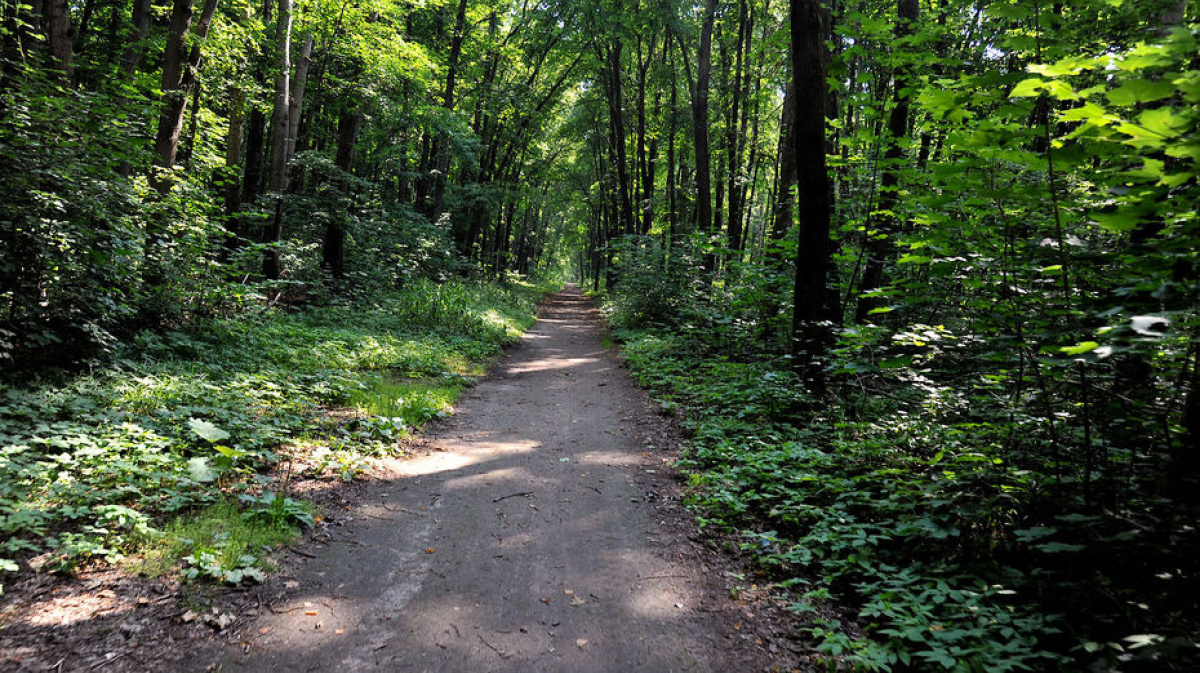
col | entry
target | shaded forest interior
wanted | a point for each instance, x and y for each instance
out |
(920, 278)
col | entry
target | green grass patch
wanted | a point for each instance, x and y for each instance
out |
(415, 401)
(90, 463)
(219, 542)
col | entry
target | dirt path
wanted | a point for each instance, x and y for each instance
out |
(525, 540)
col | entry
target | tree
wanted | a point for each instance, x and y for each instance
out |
(698, 87)
(178, 77)
(810, 320)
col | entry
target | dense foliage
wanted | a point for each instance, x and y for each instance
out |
(987, 457)
(164, 163)
(921, 276)
(91, 464)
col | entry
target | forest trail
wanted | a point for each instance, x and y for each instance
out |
(523, 540)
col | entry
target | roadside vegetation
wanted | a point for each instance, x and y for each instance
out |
(930, 510)
(182, 448)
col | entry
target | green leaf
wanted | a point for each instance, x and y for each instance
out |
(1080, 348)
(1164, 122)
(1035, 533)
(1058, 547)
(1190, 151)
(1071, 65)
(1089, 113)
(207, 430)
(1143, 640)
(1176, 179)
(1001, 10)
(230, 453)
(1122, 220)
(1061, 90)
(200, 470)
(1140, 91)
(1028, 88)
(1151, 169)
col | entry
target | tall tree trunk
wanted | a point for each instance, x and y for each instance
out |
(178, 77)
(810, 336)
(421, 193)
(651, 171)
(256, 143)
(281, 119)
(233, 159)
(736, 133)
(295, 105)
(718, 179)
(645, 153)
(334, 244)
(699, 94)
(879, 243)
(783, 213)
(57, 15)
(786, 184)
(280, 125)
(140, 22)
(85, 22)
(189, 142)
(312, 112)
(616, 117)
(443, 154)
(672, 170)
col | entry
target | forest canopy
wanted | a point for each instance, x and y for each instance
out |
(920, 277)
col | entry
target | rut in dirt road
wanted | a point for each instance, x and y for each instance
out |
(521, 542)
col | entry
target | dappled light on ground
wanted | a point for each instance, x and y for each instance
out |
(520, 540)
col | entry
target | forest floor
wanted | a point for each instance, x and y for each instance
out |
(540, 528)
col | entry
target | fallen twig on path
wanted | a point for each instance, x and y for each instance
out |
(502, 653)
(513, 495)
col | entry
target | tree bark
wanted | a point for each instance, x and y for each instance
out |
(616, 123)
(57, 16)
(178, 77)
(736, 133)
(85, 22)
(810, 333)
(233, 158)
(280, 125)
(296, 103)
(786, 199)
(443, 154)
(672, 170)
(281, 119)
(256, 143)
(699, 93)
(334, 244)
(140, 22)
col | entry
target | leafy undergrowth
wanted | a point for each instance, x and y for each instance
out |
(222, 542)
(92, 466)
(946, 555)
